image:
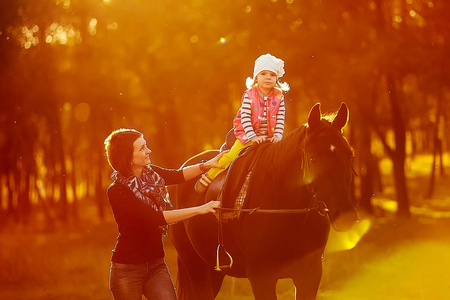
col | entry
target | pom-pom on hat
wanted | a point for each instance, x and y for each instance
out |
(268, 62)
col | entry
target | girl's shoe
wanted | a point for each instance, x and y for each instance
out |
(202, 184)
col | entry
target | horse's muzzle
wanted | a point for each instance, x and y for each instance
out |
(343, 221)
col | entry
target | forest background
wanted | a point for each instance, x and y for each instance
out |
(72, 71)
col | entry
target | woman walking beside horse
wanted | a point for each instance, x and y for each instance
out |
(138, 198)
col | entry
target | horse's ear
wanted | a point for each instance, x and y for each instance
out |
(314, 116)
(342, 117)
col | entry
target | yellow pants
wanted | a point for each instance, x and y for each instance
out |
(227, 158)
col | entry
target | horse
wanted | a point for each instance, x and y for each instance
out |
(298, 188)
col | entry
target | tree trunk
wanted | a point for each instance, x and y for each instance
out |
(437, 150)
(431, 184)
(10, 210)
(100, 193)
(74, 206)
(60, 158)
(399, 154)
(401, 187)
(366, 170)
(23, 200)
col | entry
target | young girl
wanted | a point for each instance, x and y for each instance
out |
(261, 116)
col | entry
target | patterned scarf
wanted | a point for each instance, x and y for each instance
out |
(151, 189)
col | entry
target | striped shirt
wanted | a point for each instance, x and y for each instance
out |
(262, 131)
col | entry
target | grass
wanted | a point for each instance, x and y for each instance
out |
(69, 263)
(393, 260)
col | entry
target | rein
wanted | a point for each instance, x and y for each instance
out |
(321, 208)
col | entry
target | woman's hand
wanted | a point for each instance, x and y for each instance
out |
(258, 140)
(209, 207)
(178, 215)
(214, 162)
(190, 172)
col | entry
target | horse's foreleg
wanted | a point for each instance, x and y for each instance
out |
(196, 279)
(263, 286)
(307, 282)
(204, 282)
(216, 282)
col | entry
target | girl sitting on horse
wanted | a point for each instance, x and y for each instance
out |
(261, 116)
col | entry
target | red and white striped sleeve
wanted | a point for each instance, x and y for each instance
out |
(279, 127)
(246, 117)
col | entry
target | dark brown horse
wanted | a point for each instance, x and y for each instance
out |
(294, 183)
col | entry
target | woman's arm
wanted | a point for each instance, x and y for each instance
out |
(128, 209)
(177, 176)
(177, 215)
(195, 170)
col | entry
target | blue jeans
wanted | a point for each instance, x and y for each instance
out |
(151, 279)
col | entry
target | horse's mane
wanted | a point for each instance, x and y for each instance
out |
(278, 163)
(289, 150)
(283, 153)
(281, 164)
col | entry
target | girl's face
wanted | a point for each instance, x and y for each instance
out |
(141, 154)
(266, 80)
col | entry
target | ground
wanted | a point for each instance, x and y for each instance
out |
(392, 259)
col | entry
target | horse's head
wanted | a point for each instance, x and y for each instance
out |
(328, 166)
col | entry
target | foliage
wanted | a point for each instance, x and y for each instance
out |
(74, 70)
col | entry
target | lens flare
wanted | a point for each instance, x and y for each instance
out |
(340, 241)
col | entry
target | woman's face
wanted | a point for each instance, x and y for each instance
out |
(141, 153)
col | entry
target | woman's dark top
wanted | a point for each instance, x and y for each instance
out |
(140, 235)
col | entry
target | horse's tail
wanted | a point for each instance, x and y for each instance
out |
(183, 283)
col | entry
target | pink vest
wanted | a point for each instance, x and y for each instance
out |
(257, 109)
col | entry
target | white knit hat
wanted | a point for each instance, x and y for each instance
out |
(268, 62)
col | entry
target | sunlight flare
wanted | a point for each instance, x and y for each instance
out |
(340, 241)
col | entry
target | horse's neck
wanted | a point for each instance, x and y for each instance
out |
(291, 150)
(279, 172)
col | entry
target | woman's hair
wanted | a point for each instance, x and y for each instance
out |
(119, 149)
(282, 86)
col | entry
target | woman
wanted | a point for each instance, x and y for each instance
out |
(138, 198)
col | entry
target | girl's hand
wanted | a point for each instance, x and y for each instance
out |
(208, 207)
(274, 139)
(258, 140)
